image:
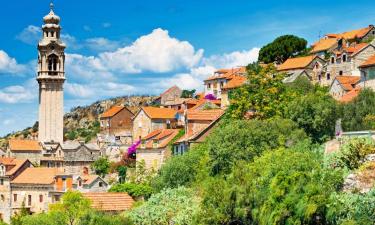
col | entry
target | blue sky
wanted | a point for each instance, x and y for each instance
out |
(121, 47)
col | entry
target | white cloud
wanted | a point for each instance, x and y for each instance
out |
(10, 65)
(17, 94)
(30, 35)
(101, 44)
(78, 90)
(233, 59)
(155, 52)
(97, 90)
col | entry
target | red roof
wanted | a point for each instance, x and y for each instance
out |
(296, 63)
(106, 201)
(24, 145)
(161, 136)
(356, 48)
(348, 97)
(348, 82)
(112, 111)
(210, 114)
(159, 113)
(235, 82)
(227, 73)
(369, 62)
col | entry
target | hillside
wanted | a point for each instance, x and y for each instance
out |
(81, 121)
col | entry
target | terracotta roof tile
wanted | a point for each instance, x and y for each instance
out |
(369, 62)
(211, 114)
(227, 73)
(106, 201)
(296, 63)
(38, 175)
(12, 163)
(160, 113)
(348, 82)
(24, 145)
(204, 101)
(235, 82)
(163, 136)
(348, 97)
(323, 44)
(112, 111)
(359, 33)
(356, 48)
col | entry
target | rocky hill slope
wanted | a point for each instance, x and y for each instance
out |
(82, 121)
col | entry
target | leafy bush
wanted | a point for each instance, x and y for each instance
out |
(101, 166)
(171, 206)
(134, 190)
(352, 153)
(244, 140)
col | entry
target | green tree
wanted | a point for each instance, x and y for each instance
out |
(282, 48)
(263, 96)
(188, 93)
(101, 166)
(122, 173)
(355, 112)
(316, 113)
(285, 186)
(171, 206)
(244, 140)
(133, 189)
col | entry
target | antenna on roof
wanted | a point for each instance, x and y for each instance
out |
(320, 34)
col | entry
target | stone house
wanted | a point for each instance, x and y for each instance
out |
(149, 119)
(110, 202)
(71, 157)
(90, 183)
(368, 73)
(325, 45)
(36, 188)
(154, 150)
(117, 122)
(348, 60)
(311, 67)
(170, 96)
(10, 168)
(214, 84)
(199, 124)
(25, 149)
(341, 85)
(235, 82)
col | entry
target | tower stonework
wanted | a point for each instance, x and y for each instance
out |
(51, 77)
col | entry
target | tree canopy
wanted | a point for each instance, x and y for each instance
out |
(282, 48)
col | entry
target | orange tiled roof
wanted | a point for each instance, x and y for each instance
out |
(227, 73)
(112, 111)
(24, 145)
(159, 113)
(235, 82)
(348, 82)
(89, 178)
(369, 62)
(12, 163)
(296, 63)
(152, 134)
(38, 175)
(359, 33)
(107, 201)
(210, 114)
(356, 48)
(323, 44)
(163, 136)
(204, 101)
(348, 97)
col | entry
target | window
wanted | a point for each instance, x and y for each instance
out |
(52, 34)
(317, 66)
(373, 32)
(340, 73)
(40, 198)
(344, 58)
(328, 76)
(319, 77)
(14, 197)
(2, 198)
(1, 181)
(52, 63)
(47, 34)
(29, 200)
(221, 84)
(209, 86)
(80, 183)
(332, 60)
(100, 184)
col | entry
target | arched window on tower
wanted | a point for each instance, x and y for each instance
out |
(52, 64)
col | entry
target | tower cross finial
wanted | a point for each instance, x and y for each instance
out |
(51, 6)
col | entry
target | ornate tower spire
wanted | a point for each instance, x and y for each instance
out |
(51, 77)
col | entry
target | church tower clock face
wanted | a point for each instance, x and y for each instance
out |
(51, 78)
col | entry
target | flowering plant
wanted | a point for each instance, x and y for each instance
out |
(210, 97)
(133, 148)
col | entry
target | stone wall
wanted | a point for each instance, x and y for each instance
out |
(153, 158)
(169, 97)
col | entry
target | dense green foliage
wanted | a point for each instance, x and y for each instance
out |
(101, 166)
(133, 189)
(282, 48)
(188, 93)
(171, 206)
(244, 140)
(354, 113)
(316, 113)
(86, 134)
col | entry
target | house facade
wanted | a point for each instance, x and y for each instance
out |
(154, 150)
(149, 119)
(170, 96)
(214, 84)
(25, 149)
(341, 85)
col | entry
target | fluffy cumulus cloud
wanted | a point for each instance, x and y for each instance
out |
(233, 59)
(101, 44)
(30, 35)
(97, 90)
(9, 65)
(18, 93)
(155, 52)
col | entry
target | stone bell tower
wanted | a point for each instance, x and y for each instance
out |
(51, 77)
